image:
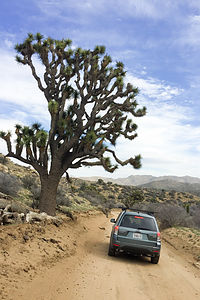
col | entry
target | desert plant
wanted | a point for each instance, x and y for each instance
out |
(195, 213)
(3, 160)
(73, 80)
(9, 184)
(61, 197)
(100, 181)
(136, 196)
(28, 181)
(173, 215)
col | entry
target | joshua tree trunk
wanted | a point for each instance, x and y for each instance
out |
(49, 185)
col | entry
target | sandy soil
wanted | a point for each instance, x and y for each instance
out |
(71, 262)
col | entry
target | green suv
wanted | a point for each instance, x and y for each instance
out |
(136, 232)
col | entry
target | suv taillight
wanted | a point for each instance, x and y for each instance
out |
(116, 229)
(158, 237)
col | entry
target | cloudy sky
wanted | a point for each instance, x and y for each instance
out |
(159, 43)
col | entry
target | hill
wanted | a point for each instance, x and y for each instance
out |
(143, 179)
(180, 184)
(193, 188)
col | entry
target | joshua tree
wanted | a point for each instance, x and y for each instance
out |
(89, 105)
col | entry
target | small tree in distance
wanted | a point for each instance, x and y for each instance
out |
(89, 106)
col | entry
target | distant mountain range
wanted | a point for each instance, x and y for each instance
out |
(181, 184)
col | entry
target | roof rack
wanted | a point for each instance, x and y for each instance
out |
(138, 210)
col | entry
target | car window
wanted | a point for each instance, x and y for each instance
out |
(118, 217)
(138, 222)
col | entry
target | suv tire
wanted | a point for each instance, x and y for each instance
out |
(155, 259)
(111, 251)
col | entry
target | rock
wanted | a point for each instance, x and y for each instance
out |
(8, 208)
(32, 217)
(7, 217)
(57, 222)
(26, 238)
(53, 241)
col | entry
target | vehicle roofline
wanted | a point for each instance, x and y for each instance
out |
(138, 211)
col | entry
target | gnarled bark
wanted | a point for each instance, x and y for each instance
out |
(49, 186)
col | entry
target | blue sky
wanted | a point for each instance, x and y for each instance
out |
(159, 43)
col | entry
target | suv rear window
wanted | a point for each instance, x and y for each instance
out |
(138, 222)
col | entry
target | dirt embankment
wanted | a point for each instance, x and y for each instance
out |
(70, 262)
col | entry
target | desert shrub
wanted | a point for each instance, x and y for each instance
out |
(32, 184)
(92, 187)
(94, 197)
(127, 189)
(61, 197)
(106, 188)
(9, 184)
(3, 160)
(196, 219)
(172, 194)
(136, 196)
(28, 181)
(195, 213)
(114, 189)
(173, 215)
(100, 181)
(83, 186)
(74, 189)
(187, 207)
(120, 197)
(118, 205)
(152, 200)
(81, 193)
(35, 190)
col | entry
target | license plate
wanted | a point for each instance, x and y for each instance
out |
(137, 236)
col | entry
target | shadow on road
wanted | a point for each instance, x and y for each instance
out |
(100, 249)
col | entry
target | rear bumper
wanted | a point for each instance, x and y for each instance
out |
(137, 249)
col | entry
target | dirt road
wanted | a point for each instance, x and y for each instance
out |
(90, 274)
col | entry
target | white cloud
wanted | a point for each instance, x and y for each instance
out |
(153, 88)
(19, 89)
(190, 34)
(8, 43)
(155, 9)
(166, 143)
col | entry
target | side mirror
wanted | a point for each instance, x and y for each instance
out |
(112, 220)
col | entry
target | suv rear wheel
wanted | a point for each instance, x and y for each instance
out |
(111, 251)
(155, 259)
